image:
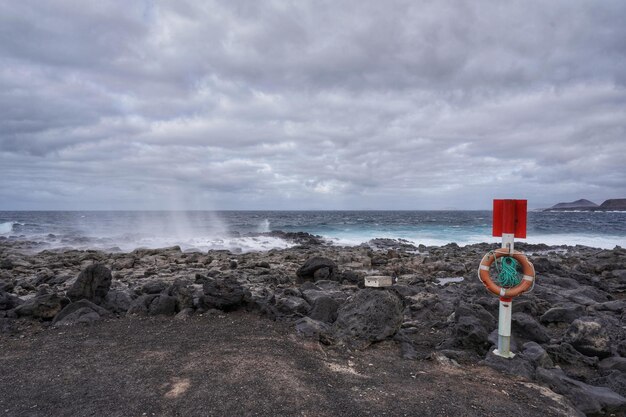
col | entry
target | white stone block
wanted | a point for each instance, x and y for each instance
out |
(378, 281)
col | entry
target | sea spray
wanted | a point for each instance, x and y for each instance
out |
(6, 228)
(241, 230)
(264, 226)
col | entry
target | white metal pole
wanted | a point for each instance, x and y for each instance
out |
(504, 330)
(506, 307)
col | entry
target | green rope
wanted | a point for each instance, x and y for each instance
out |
(507, 272)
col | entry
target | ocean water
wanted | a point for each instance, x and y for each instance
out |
(243, 231)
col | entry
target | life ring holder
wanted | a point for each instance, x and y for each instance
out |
(528, 274)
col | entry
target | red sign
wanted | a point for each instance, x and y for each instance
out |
(509, 216)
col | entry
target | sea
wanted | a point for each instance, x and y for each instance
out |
(245, 231)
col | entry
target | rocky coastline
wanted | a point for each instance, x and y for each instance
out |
(569, 333)
(614, 204)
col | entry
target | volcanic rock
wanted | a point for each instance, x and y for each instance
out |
(324, 309)
(222, 294)
(117, 301)
(43, 306)
(589, 337)
(369, 316)
(317, 268)
(8, 301)
(93, 284)
(586, 398)
(82, 311)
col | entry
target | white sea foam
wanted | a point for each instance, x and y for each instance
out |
(6, 228)
(241, 244)
(596, 241)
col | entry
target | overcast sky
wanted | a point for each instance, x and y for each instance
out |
(310, 104)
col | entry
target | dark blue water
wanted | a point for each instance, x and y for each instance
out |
(241, 229)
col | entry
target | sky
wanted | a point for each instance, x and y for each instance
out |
(310, 104)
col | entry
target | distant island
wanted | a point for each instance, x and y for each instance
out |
(586, 205)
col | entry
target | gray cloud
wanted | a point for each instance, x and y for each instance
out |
(310, 104)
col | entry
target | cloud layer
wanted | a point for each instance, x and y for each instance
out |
(310, 105)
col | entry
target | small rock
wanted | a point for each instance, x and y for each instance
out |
(184, 314)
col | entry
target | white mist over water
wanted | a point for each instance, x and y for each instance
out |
(6, 228)
(246, 231)
(462, 239)
(264, 227)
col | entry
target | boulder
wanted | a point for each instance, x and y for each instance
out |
(564, 353)
(586, 295)
(312, 295)
(324, 309)
(154, 287)
(291, 305)
(140, 305)
(317, 268)
(615, 306)
(184, 293)
(518, 365)
(613, 363)
(476, 310)
(563, 314)
(82, 311)
(473, 323)
(93, 284)
(589, 336)
(544, 265)
(352, 277)
(307, 327)
(536, 355)
(153, 304)
(44, 307)
(222, 294)
(8, 301)
(527, 328)
(261, 300)
(117, 301)
(369, 316)
(469, 333)
(162, 305)
(587, 398)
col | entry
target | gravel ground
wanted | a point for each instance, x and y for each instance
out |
(239, 364)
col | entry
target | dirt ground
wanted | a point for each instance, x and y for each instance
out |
(239, 364)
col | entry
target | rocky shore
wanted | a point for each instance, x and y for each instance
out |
(569, 333)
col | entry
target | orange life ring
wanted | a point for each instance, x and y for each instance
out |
(528, 272)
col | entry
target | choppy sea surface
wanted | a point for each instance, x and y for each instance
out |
(244, 230)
